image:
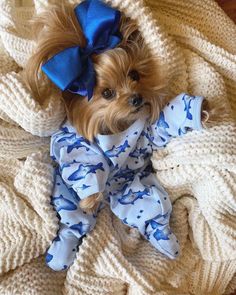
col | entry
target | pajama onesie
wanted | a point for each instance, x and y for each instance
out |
(119, 166)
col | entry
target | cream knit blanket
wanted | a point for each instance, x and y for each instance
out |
(197, 42)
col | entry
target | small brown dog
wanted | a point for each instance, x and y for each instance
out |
(129, 80)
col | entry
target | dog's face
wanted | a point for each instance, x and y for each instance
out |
(129, 80)
(127, 88)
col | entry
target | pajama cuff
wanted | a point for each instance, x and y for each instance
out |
(197, 113)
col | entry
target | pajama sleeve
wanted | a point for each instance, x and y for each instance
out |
(183, 113)
(82, 166)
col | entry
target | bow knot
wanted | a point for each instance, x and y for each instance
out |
(72, 68)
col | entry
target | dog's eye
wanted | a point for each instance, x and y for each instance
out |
(108, 93)
(134, 75)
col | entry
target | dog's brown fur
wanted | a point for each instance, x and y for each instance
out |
(57, 29)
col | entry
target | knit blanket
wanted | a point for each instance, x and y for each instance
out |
(197, 43)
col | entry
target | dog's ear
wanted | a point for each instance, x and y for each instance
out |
(56, 29)
(129, 31)
(70, 100)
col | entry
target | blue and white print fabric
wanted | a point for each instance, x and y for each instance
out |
(119, 166)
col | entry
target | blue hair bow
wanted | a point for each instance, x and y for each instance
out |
(72, 69)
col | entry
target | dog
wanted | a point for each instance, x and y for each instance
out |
(129, 80)
(130, 83)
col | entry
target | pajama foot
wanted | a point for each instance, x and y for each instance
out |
(164, 240)
(62, 252)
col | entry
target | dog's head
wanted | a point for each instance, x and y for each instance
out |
(129, 80)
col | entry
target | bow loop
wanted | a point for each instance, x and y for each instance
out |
(72, 69)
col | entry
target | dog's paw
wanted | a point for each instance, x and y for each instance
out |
(214, 112)
(205, 112)
(90, 204)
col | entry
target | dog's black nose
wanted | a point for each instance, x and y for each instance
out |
(136, 100)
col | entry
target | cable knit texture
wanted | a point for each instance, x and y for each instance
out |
(197, 43)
